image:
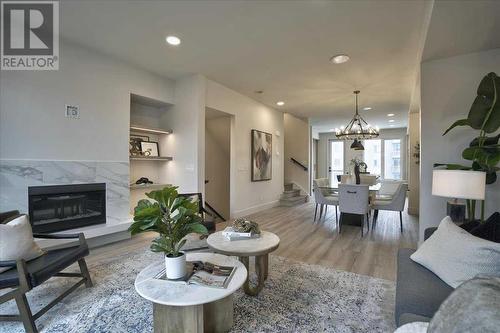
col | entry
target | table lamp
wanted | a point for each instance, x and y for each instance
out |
(458, 184)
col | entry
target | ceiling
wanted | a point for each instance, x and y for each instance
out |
(465, 26)
(282, 48)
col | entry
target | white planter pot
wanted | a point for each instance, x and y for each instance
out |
(175, 267)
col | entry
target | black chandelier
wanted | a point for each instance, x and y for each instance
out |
(357, 129)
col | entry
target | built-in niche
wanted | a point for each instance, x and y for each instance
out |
(149, 155)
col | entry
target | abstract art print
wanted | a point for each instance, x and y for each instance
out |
(262, 150)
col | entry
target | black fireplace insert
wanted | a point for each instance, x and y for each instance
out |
(61, 207)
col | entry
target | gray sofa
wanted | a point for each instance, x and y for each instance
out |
(419, 292)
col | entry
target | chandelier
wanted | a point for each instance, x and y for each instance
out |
(357, 129)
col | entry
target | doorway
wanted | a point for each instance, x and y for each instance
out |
(218, 162)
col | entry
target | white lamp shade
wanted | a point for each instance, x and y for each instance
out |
(460, 184)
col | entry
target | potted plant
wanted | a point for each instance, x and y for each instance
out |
(173, 217)
(483, 151)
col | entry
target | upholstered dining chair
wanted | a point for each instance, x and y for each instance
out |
(354, 199)
(388, 188)
(397, 204)
(322, 199)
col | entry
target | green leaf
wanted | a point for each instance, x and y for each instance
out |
(491, 177)
(198, 228)
(484, 113)
(452, 166)
(486, 141)
(460, 122)
(486, 156)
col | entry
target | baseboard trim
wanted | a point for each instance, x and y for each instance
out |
(255, 209)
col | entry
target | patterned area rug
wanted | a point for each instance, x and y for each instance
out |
(297, 298)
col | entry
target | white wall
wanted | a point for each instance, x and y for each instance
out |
(218, 164)
(349, 154)
(448, 88)
(187, 142)
(296, 139)
(32, 121)
(413, 167)
(247, 196)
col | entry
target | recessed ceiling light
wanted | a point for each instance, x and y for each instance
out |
(366, 108)
(173, 40)
(390, 115)
(339, 58)
(280, 103)
(391, 120)
(391, 125)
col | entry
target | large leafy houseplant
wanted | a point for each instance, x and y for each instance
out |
(483, 151)
(173, 217)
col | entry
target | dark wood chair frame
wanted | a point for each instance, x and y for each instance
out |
(19, 293)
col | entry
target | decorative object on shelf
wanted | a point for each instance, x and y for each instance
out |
(143, 180)
(357, 145)
(246, 226)
(135, 144)
(149, 148)
(484, 150)
(416, 154)
(357, 128)
(262, 166)
(458, 184)
(359, 167)
(173, 217)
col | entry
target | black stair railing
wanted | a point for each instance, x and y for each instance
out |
(212, 209)
(298, 163)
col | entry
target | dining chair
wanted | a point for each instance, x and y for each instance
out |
(397, 204)
(389, 187)
(353, 199)
(323, 199)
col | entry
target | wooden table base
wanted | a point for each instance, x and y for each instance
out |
(262, 271)
(211, 317)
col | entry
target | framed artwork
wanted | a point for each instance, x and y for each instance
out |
(149, 148)
(135, 144)
(262, 156)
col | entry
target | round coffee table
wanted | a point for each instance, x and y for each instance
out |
(179, 307)
(245, 248)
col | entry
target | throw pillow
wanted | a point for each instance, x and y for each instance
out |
(489, 229)
(472, 307)
(456, 256)
(415, 327)
(16, 241)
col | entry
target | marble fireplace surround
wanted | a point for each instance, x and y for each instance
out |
(17, 175)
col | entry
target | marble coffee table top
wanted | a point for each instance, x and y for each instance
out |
(267, 242)
(179, 294)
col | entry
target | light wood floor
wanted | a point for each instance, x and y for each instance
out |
(317, 242)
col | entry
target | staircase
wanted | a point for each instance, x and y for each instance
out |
(291, 196)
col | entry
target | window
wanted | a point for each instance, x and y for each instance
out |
(392, 159)
(372, 156)
(336, 159)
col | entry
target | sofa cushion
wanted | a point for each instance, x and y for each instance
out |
(457, 256)
(418, 290)
(472, 307)
(407, 318)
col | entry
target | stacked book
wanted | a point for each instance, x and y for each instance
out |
(231, 234)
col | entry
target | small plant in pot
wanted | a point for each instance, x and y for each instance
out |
(173, 217)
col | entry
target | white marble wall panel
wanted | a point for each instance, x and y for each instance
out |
(17, 175)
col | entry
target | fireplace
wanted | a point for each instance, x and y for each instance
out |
(62, 207)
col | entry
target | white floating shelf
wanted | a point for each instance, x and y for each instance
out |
(146, 186)
(142, 129)
(152, 158)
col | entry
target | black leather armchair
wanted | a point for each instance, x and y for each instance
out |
(24, 276)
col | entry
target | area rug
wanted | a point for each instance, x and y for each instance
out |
(297, 298)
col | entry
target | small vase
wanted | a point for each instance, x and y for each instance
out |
(175, 266)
